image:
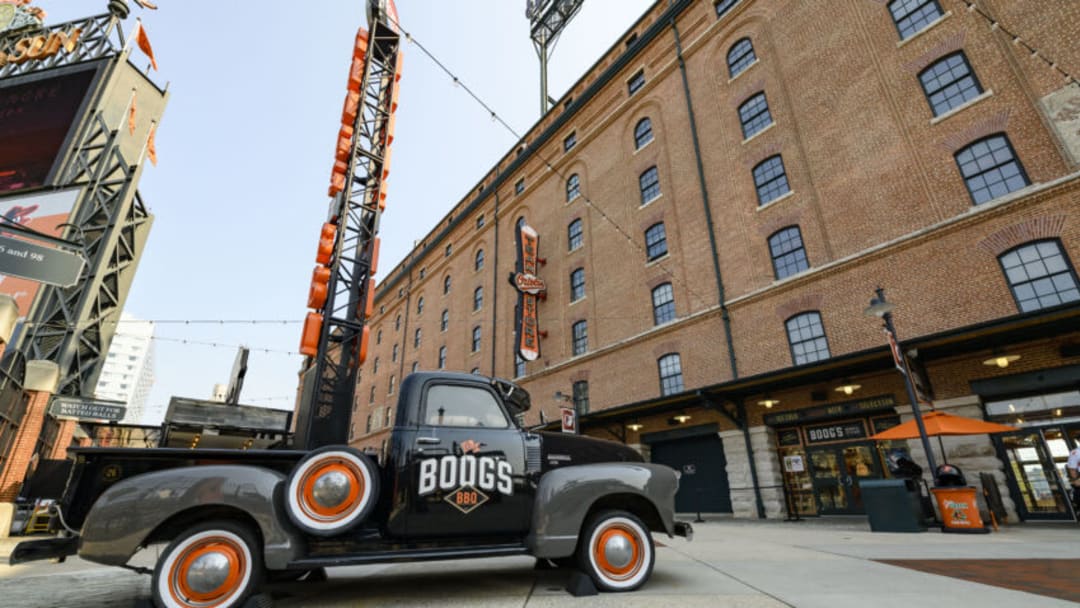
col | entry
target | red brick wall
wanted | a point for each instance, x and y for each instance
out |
(876, 194)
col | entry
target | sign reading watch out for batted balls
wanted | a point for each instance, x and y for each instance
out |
(78, 408)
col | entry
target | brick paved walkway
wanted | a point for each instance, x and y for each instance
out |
(1049, 577)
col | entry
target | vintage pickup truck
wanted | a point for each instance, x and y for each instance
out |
(460, 479)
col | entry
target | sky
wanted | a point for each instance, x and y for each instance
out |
(245, 150)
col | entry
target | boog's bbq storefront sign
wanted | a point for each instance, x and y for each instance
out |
(33, 44)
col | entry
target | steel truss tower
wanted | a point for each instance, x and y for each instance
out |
(74, 326)
(330, 381)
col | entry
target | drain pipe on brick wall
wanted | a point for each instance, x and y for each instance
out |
(724, 315)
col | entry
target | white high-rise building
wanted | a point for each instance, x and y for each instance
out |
(128, 373)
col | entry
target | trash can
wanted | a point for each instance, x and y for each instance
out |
(959, 510)
(892, 505)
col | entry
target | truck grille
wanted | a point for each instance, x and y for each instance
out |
(532, 459)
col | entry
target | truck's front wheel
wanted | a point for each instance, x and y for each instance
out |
(216, 563)
(616, 551)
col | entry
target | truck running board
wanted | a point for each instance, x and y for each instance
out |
(407, 555)
(44, 548)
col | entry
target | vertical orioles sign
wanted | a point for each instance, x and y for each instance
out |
(529, 287)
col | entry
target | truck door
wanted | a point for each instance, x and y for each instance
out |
(467, 474)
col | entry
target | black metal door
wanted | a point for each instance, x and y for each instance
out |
(703, 486)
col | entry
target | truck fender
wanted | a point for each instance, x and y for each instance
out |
(565, 496)
(123, 518)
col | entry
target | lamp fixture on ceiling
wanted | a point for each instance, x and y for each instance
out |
(768, 402)
(1000, 359)
(635, 426)
(848, 387)
(681, 418)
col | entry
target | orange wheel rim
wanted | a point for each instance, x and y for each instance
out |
(600, 556)
(181, 591)
(306, 490)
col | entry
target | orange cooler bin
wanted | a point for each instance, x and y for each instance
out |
(959, 510)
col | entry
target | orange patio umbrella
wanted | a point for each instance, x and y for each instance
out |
(940, 423)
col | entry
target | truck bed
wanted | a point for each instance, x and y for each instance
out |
(97, 469)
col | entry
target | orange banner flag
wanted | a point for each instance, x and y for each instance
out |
(143, 41)
(131, 115)
(151, 149)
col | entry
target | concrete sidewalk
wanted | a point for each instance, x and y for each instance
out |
(829, 563)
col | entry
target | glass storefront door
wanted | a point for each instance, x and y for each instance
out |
(1036, 462)
(836, 471)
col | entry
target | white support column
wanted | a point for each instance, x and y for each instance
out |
(770, 477)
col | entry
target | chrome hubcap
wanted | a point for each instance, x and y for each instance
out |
(208, 572)
(618, 551)
(331, 489)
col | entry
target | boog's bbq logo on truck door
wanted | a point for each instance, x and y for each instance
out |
(464, 478)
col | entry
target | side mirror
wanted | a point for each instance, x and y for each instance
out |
(517, 399)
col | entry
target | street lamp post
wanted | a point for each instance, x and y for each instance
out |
(879, 307)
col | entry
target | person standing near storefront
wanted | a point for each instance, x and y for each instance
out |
(1072, 469)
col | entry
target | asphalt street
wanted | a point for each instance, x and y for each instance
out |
(826, 563)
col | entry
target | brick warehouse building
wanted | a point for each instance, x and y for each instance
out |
(727, 187)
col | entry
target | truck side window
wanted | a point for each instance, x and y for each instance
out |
(463, 406)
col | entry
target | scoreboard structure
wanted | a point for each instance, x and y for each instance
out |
(77, 119)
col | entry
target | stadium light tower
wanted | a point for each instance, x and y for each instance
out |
(547, 19)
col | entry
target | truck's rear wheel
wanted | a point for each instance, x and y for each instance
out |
(331, 490)
(616, 551)
(213, 564)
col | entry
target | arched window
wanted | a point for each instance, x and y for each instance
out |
(990, 168)
(575, 235)
(911, 16)
(420, 306)
(476, 339)
(649, 181)
(740, 57)
(442, 357)
(577, 284)
(770, 179)
(446, 285)
(416, 338)
(444, 321)
(655, 242)
(724, 6)
(1039, 275)
(787, 251)
(642, 133)
(949, 83)
(478, 298)
(393, 356)
(478, 263)
(397, 323)
(754, 115)
(663, 304)
(671, 380)
(580, 331)
(573, 187)
(806, 336)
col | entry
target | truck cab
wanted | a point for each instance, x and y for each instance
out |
(464, 463)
